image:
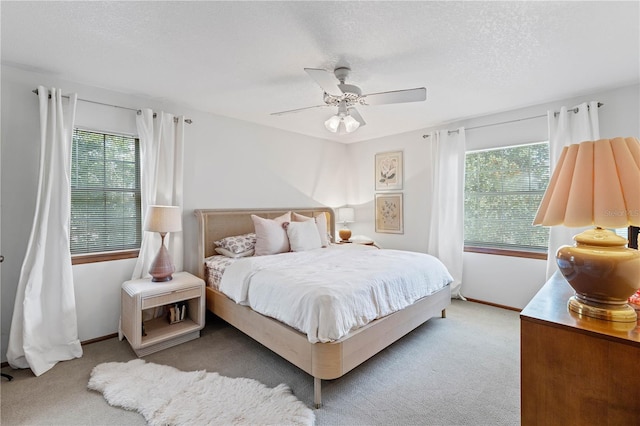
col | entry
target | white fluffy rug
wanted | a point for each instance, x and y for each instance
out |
(167, 396)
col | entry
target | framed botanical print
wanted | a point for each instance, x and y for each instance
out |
(388, 170)
(389, 213)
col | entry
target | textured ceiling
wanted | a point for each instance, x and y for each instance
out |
(245, 59)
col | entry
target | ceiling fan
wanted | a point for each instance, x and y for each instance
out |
(347, 96)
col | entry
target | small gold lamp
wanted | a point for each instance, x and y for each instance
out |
(597, 183)
(345, 215)
(162, 219)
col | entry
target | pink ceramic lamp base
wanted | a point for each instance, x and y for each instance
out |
(162, 266)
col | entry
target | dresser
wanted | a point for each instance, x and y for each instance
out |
(576, 370)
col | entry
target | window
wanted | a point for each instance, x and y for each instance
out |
(105, 194)
(503, 188)
(630, 233)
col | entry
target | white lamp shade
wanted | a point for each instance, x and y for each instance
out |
(163, 219)
(350, 123)
(346, 214)
(594, 183)
(332, 123)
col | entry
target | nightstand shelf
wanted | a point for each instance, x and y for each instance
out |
(142, 294)
(158, 329)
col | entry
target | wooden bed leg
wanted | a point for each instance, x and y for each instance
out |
(317, 395)
(444, 313)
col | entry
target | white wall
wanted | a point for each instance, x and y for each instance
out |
(503, 280)
(228, 164)
(234, 164)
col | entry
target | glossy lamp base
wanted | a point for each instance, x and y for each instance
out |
(345, 234)
(162, 268)
(616, 313)
(603, 273)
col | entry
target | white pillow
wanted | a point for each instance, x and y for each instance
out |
(229, 253)
(303, 235)
(321, 223)
(297, 217)
(271, 237)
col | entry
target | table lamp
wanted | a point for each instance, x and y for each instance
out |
(162, 219)
(345, 215)
(596, 183)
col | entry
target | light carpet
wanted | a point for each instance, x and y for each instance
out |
(167, 396)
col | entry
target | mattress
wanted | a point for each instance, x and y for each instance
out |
(215, 267)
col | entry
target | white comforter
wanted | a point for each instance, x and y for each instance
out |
(328, 292)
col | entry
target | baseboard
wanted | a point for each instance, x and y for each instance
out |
(482, 302)
(99, 339)
(85, 342)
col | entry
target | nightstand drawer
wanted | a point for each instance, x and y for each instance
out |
(170, 297)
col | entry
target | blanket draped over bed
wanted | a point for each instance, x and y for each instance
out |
(326, 293)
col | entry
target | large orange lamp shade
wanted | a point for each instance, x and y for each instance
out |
(597, 183)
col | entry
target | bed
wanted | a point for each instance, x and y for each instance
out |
(322, 360)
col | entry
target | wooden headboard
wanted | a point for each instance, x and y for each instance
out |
(214, 224)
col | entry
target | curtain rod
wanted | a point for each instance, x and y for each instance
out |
(175, 119)
(555, 114)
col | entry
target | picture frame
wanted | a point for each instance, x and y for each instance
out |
(388, 171)
(389, 213)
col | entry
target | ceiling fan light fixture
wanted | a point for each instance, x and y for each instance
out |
(347, 96)
(332, 123)
(350, 123)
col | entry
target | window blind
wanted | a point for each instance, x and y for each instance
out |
(105, 193)
(503, 188)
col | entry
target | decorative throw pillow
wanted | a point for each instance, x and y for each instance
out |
(297, 217)
(229, 253)
(303, 235)
(271, 237)
(237, 243)
(321, 223)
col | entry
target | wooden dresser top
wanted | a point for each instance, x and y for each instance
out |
(549, 306)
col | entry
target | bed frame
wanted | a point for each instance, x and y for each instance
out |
(321, 360)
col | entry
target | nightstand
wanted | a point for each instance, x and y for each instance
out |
(158, 333)
(359, 241)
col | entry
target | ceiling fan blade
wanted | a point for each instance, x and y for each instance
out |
(326, 80)
(298, 110)
(355, 114)
(396, 96)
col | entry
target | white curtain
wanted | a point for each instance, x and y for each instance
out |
(446, 154)
(44, 328)
(161, 176)
(569, 126)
